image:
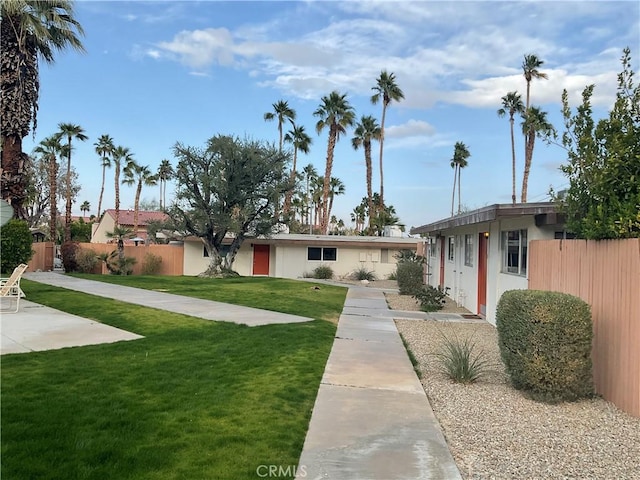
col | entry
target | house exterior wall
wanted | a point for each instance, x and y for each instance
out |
(462, 279)
(287, 260)
(107, 224)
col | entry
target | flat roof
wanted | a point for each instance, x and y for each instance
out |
(488, 214)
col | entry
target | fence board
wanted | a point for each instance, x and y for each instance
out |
(605, 274)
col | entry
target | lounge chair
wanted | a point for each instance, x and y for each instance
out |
(10, 287)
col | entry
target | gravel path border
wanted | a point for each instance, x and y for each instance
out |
(494, 432)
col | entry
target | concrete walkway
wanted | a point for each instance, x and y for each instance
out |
(206, 309)
(372, 419)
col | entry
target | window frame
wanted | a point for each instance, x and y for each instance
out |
(327, 254)
(468, 250)
(508, 246)
(451, 256)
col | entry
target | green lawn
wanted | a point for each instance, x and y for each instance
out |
(194, 399)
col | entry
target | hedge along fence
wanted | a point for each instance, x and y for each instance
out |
(545, 342)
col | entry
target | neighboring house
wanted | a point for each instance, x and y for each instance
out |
(108, 221)
(296, 255)
(481, 254)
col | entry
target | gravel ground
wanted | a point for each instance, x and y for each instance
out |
(494, 432)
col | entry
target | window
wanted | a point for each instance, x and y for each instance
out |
(327, 254)
(432, 247)
(468, 250)
(514, 252)
(452, 247)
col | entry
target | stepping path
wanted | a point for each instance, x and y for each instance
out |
(206, 309)
(372, 419)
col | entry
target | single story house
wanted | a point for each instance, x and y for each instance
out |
(297, 255)
(479, 255)
(126, 219)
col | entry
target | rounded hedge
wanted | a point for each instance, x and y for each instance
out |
(545, 343)
(409, 276)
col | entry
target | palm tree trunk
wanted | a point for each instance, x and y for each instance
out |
(324, 217)
(13, 174)
(104, 169)
(513, 164)
(367, 158)
(53, 193)
(117, 192)
(135, 209)
(531, 138)
(453, 194)
(384, 114)
(292, 178)
(459, 175)
(67, 217)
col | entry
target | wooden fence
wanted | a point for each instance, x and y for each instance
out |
(605, 274)
(172, 256)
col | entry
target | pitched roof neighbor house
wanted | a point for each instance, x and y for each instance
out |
(296, 255)
(108, 221)
(481, 254)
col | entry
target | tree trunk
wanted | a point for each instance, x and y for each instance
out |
(104, 171)
(531, 138)
(513, 163)
(117, 193)
(67, 217)
(14, 180)
(367, 161)
(136, 208)
(324, 217)
(384, 114)
(453, 194)
(292, 179)
(53, 192)
(459, 175)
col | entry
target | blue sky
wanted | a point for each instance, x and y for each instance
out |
(156, 73)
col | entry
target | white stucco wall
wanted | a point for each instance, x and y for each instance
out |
(462, 279)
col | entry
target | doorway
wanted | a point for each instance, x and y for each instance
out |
(261, 259)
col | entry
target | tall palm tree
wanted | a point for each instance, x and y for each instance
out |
(310, 174)
(165, 173)
(122, 157)
(138, 175)
(336, 113)
(458, 162)
(301, 142)
(530, 70)
(337, 188)
(537, 125)
(282, 111)
(50, 148)
(387, 90)
(512, 104)
(84, 208)
(30, 31)
(70, 131)
(104, 148)
(366, 131)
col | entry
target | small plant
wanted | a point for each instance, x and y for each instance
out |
(392, 276)
(323, 272)
(151, 264)
(431, 298)
(363, 274)
(117, 265)
(86, 260)
(460, 360)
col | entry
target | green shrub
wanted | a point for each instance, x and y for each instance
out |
(431, 298)
(545, 343)
(86, 260)
(460, 360)
(392, 276)
(15, 245)
(323, 272)
(117, 266)
(69, 251)
(409, 275)
(363, 274)
(151, 264)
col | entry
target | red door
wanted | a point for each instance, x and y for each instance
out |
(261, 259)
(442, 262)
(483, 240)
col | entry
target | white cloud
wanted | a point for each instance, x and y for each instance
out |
(411, 128)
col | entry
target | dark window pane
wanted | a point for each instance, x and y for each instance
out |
(314, 253)
(329, 254)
